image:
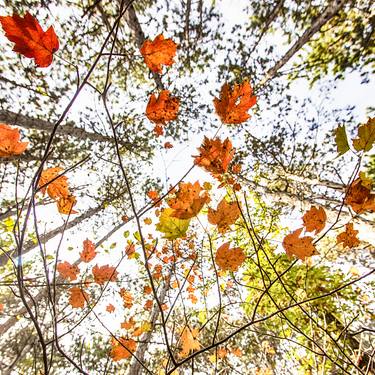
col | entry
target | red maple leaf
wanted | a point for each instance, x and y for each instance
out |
(30, 39)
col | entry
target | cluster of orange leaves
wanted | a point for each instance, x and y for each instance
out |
(10, 144)
(57, 188)
(314, 220)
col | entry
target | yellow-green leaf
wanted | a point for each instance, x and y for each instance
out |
(366, 136)
(341, 140)
(172, 227)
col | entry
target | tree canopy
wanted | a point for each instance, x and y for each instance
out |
(186, 188)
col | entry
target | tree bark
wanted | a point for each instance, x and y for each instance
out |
(28, 246)
(329, 12)
(135, 367)
(69, 129)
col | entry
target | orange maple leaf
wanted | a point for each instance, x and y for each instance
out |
(225, 215)
(158, 52)
(55, 187)
(188, 200)
(10, 144)
(127, 298)
(349, 237)
(233, 104)
(162, 109)
(215, 155)
(314, 219)
(189, 341)
(68, 271)
(30, 39)
(103, 274)
(359, 195)
(88, 253)
(122, 348)
(168, 145)
(301, 247)
(229, 259)
(110, 308)
(78, 297)
(65, 205)
(158, 130)
(128, 324)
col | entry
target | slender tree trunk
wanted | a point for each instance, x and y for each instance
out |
(30, 245)
(329, 12)
(69, 129)
(135, 367)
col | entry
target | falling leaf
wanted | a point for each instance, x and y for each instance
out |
(30, 39)
(104, 274)
(162, 109)
(234, 103)
(88, 253)
(130, 250)
(301, 247)
(215, 155)
(158, 52)
(147, 289)
(341, 140)
(366, 136)
(349, 237)
(127, 298)
(172, 227)
(158, 130)
(168, 145)
(128, 324)
(229, 259)
(68, 271)
(10, 144)
(65, 205)
(78, 297)
(314, 219)
(57, 187)
(122, 348)
(110, 308)
(189, 341)
(188, 200)
(148, 304)
(359, 195)
(225, 215)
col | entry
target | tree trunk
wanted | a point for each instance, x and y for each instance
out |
(329, 12)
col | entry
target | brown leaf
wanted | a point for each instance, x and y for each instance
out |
(68, 271)
(225, 215)
(229, 259)
(104, 274)
(314, 219)
(301, 247)
(349, 237)
(78, 297)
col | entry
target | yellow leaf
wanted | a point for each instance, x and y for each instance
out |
(172, 227)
